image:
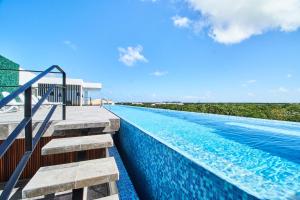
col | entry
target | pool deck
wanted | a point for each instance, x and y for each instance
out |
(77, 117)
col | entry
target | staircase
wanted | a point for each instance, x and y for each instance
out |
(76, 176)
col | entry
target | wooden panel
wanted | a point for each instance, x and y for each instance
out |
(10, 160)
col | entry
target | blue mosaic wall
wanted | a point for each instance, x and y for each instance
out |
(124, 184)
(159, 172)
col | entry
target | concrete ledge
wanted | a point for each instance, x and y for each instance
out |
(111, 197)
(83, 143)
(79, 116)
(80, 124)
(59, 178)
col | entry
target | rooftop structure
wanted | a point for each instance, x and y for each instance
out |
(77, 89)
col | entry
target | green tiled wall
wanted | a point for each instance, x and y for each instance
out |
(8, 78)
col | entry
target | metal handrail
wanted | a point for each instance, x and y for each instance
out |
(26, 70)
(26, 123)
(27, 85)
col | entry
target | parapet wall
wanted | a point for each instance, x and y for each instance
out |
(160, 172)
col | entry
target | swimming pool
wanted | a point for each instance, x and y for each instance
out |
(246, 158)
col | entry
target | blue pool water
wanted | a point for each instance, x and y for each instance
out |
(261, 157)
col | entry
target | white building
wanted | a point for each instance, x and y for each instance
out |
(77, 89)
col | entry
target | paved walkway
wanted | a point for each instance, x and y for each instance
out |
(73, 113)
(77, 114)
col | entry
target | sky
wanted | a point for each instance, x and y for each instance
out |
(162, 50)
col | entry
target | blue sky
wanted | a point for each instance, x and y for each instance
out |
(163, 50)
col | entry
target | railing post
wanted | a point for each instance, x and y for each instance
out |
(28, 114)
(64, 95)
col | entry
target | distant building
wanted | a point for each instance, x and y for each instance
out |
(77, 89)
(100, 102)
(107, 102)
(137, 103)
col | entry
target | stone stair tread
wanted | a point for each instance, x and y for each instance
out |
(111, 197)
(80, 124)
(82, 143)
(59, 178)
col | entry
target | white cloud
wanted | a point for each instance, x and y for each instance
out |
(159, 73)
(130, 55)
(232, 21)
(289, 75)
(279, 90)
(249, 82)
(70, 44)
(282, 89)
(251, 94)
(153, 1)
(204, 97)
(181, 22)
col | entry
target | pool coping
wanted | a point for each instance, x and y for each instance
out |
(203, 165)
(221, 115)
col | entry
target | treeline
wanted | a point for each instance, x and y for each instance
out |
(282, 111)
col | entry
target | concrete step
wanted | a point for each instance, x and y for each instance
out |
(59, 178)
(80, 124)
(72, 144)
(111, 197)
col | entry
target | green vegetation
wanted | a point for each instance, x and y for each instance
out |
(282, 111)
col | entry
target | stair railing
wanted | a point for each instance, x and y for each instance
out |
(26, 124)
